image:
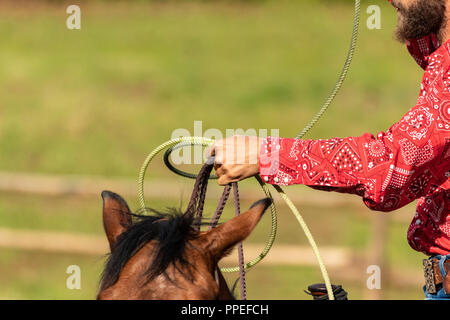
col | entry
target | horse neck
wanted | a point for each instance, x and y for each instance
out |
(224, 291)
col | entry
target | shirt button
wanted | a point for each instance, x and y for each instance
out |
(266, 178)
(276, 179)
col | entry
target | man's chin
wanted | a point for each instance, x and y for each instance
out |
(402, 35)
(420, 20)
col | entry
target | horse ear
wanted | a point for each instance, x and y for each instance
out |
(220, 240)
(116, 216)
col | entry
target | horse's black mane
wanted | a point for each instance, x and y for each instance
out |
(171, 230)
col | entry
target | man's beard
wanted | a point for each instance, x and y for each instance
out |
(420, 19)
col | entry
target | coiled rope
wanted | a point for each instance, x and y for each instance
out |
(206, 142)
(188, 141)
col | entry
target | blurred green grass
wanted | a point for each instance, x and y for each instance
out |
(95, 101)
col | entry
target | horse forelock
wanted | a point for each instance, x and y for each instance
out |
(170, 230)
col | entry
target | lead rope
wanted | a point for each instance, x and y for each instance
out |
(196, 205)
(240, 246)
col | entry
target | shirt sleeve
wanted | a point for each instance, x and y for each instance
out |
(388, 170)
(378, 168)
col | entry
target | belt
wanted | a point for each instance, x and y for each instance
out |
(434, 279)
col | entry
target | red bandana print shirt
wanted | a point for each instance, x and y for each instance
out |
(410, 161)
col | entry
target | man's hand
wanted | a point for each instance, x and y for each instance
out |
(236, 158)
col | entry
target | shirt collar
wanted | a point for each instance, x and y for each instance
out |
(421, 49)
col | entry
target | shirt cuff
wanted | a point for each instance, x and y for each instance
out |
(269, 163)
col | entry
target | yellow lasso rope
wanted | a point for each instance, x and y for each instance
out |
(315, 119)
(207, 142)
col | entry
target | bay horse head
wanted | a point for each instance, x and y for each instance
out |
(165, 256)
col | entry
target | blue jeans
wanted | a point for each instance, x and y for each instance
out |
(440, 295)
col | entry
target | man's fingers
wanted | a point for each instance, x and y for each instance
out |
(218, 156)
(222, 181)
(221, 175)
(235, 158)
(210, 151)
(225, 180)
(220, 171)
